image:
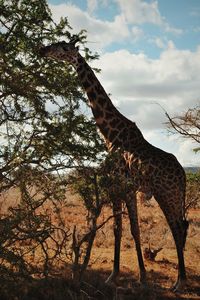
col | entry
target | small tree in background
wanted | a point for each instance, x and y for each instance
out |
(188, 126)
(98, 187)
(87, 182)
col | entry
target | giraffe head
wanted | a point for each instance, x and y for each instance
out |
(62, 51)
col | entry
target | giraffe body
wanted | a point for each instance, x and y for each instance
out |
(148, 169)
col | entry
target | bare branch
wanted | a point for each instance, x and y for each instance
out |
(187, 125)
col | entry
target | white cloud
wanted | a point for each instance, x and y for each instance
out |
(137, 33)
(138, 11)
(159, 42)
(92, 6)
(185, 152)
(195, 12)
(169, 28)
(196, 29)
(137, 81)
(100, 32)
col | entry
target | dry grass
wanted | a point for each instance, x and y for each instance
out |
(154, 231)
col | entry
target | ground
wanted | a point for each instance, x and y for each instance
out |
(155, 234)
(163, 271)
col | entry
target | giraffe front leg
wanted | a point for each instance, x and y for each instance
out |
(131, 203)
(117, 226)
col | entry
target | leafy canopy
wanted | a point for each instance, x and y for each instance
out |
(41, 119)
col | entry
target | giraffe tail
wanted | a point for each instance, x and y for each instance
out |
(184, 221)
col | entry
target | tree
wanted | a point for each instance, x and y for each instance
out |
(43, 132)
(98, 186)
(187, 125)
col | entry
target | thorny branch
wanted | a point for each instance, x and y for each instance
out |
(187, 125)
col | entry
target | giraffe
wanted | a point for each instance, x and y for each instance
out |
(147, 168)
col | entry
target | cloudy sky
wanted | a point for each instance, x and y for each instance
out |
(149, 60)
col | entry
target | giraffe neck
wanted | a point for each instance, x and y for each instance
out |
(117, 130)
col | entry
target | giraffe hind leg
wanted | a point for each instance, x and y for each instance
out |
(178, 227)
(185, 228)
(180, 234)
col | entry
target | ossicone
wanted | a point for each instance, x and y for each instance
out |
(74, 39)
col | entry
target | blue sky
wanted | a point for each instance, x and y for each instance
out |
(149, 57)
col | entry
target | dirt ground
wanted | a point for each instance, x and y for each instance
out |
(161, 273)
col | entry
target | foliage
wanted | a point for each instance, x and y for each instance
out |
(43, 134)
(40, 100)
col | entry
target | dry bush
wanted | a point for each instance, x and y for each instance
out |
(91, 185)
(34, 237)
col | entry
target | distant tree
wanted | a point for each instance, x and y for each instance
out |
(187, 125)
